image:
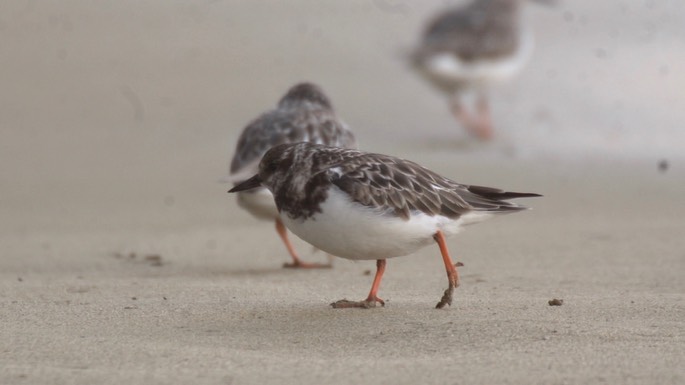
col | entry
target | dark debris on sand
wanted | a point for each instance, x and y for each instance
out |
(555, 302)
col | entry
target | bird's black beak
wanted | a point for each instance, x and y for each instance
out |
(251, 183)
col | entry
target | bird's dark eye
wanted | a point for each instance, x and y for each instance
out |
(271, 166)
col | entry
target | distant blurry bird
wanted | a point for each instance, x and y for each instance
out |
(304, 114)
(467, 48)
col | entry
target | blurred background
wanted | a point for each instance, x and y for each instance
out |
(117, 114)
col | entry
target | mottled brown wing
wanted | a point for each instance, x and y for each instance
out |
(479, 30)
(325, 128)
(278, 127)
(342, 136)
(398, 187)
(268, 130)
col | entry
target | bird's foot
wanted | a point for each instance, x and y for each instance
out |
(365, 304)
(307, 265)
(481, 131)
(446, 298)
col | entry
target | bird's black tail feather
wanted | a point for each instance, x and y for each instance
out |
(497, 194)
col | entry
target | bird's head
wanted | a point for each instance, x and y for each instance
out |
(274, 168)
(305, 93)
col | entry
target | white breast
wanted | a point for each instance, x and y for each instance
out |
(259, 202)
(349, 230)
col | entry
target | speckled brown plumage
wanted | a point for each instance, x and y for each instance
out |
(483, 29)
(304, 114)
(299, 176)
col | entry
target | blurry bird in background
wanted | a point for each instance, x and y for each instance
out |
(466, 49)
(304, 114)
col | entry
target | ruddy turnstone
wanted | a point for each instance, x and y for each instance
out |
(304, 114)
(359, 205)
(467, 48)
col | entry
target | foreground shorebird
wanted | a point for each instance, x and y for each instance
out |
(304, 114)
(362, 206)
(465, 49)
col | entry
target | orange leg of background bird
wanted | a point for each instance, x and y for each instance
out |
(462, 115)
(452, 273)
(297, 263)
(484, 130)
(477, 124)
(372, 299)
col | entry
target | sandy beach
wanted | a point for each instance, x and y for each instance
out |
(122, 260)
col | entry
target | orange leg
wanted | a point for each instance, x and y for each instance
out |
(452, 273)
(461, 114)
(297, 263)
(484, 129)
(372, 299)
(478, 124)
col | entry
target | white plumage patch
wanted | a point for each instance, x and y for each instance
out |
(350, 230)
(259, 202)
